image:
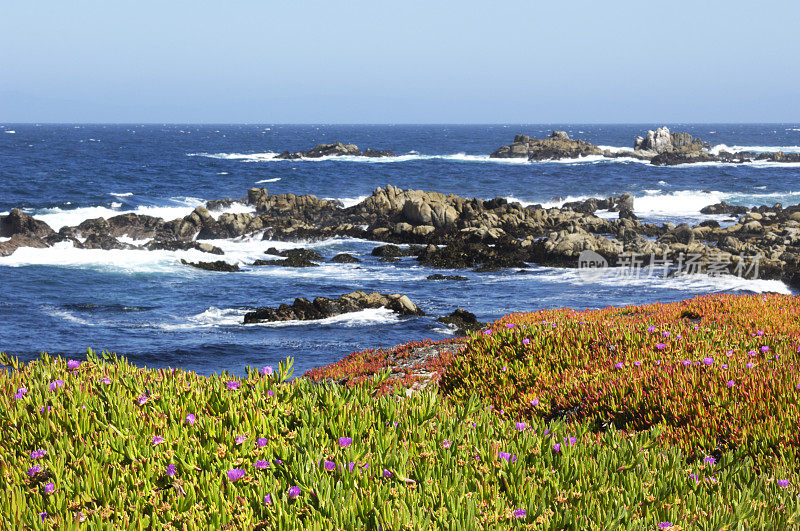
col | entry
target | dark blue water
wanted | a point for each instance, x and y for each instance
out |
(147, 306)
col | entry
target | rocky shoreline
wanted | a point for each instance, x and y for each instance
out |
(660, 147)
(447, 231)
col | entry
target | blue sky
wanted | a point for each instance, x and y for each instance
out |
(399, 62)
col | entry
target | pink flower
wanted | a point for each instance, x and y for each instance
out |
(520, 426)
(55, 384)
(268, 499)
(487, 332)
(765, 348)
(730, 383)
(240, 439)
(262, 464)
(49, 488)
(294, 492)
(637, 363)
(261, 442)
(267, 370)
(708, 361)
(106, 380)
(783, 483)
(73, 364)
(141, 400)
(535, 401)
(557, 447)
(344, 442)
(526, 341)
(190, 419)
(235, 474)
(157, 440)
(232, 385)
(330, 466)
(446, 444)
(520, 513)
(686, 363)
(749, 365)
(660, 346)
(509, 325)
(619, 365)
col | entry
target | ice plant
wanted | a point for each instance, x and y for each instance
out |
(190, 419)
(261, 464)
(261, 442)
(73, 364)
(505, 456)
(293, 492)
(240, 439)
(730, 383)
(344, 442)
(708, 360)
(446, 443)
(330, 466)
(520, 513)
(141, 400)
(34, 470)
(232, 385)
(105, 380)
(710, 460)
(235, 474)
(38, 454)
(387, 473)
(783, 483)
(55, 384)
(157, 440)
(267, 370)
(520, 426)
(268, 499)
(660, 346)
(49, 488)
(171, 471)
(557, 447)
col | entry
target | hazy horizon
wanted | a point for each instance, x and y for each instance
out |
(413, 63)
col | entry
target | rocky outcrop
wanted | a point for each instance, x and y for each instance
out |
(665, 148)
(19, 223)
(292, 258)
(438, 276)
(173, 245)
(219, 265)
(724, 208)
(557, 146)
(337, 149)
(321, 308)
(462, 321)
(8, 247)
(345, 258)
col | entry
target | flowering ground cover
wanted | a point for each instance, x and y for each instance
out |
(565, 420)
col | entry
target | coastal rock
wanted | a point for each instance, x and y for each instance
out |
(219, 265)
(336, 149)
(461, 254)
(463, 321)
(19, 223)
(557, 146)
(438, 276)
(8, 247)
(723, 208)
(345, 258)
(104, 242)
(321, 308)
(174, 245)
(292, 258)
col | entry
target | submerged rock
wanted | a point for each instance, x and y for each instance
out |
(322, 307)
(174, 245)
(219, 265)
(292, 258)
(437, 276)
(345, 258)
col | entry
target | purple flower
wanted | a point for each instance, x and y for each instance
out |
(783, 483)
(505, 456)
(725, 366)
(157, 440)
(277, 461)
(694, 477)
(526, 341)
(750, 365)
(446, 444)
(105, 380)
(270, 393)
(387, 473)
(760, 333)
(171, 471)
(557, 447)
(240, 439)
(267, 370)
(38, 454)
(261, 442)
(235, 474)
(509, 325)
(619, 365)
(686, 363)
(665, 334)
(344, 442)
(73, 364)
(651, 329)
(637, 363)
(765, 349)
(660, 346)
(729, 353)
(751, 353)
(330, 466)
(570, 441)
(535, 401)
(56, 384)
(49, 488)
(43, 516)
(487, 332)
(710, 460)
(190, 419)
(141, 400)
(22, 391)
(232, 384)
(504, 369)
(520, 426)
(350, 466)
(268, 499)
(664, 525)
(294, 492)
(34, 470)
(730, 383)
(520, 513)
(708, 361)
(262, 464)
(679, 336)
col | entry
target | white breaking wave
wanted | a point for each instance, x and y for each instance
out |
(67, 316)
(121, 194)
(758, 149)
(59, 217)
(216, 317)
(273, 180)
(10, 132)
(237, 207)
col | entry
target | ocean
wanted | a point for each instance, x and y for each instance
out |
(149, 307)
